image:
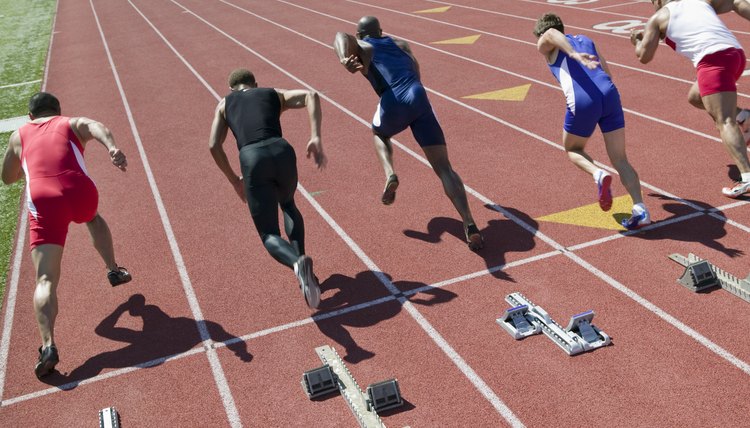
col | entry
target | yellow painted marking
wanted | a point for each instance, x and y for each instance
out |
(436, 10)
(593, 216)
(468, 40)
(517, 93)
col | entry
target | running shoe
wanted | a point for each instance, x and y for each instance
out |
(637, 221)
(119, 276)
(605, 193)
(739, 188)
(473, 237)
(389, 193)
(48, 359)
(308, 282)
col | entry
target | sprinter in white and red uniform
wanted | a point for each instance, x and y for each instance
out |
(48, 151)
(693, 29)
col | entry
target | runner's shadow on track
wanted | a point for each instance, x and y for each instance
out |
(710, 231)
(162, 336)
(350, 291)
(500, 237)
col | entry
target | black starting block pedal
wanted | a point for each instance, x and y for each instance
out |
(108, 418)
(699, 276)
(320, 381)
(384, 395)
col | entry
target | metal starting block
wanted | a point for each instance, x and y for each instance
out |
(320, 381)
(519, 323)
(579, 336)
(384, 395)
(358, 402)
(700, 274)
(108, 418)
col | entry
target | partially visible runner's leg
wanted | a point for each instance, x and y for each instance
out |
(615, 143)
(102, 240)
(384, 149)
(46, 259)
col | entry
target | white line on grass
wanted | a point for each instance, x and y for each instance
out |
(216, 368)
(14, 85)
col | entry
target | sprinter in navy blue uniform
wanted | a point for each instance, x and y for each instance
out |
(269, 166)
(393, 72)
(592, 99)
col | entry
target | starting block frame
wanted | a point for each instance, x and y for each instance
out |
(357, 401)
(692, 279)
(109, 418)
(527, 319)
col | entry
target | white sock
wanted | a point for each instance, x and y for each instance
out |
(598, 174)
(746, 177)
(639, 208)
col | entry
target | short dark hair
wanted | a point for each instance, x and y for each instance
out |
(241, 76)
(547, 21)
(44, 103)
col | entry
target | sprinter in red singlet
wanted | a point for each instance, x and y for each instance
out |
(48, 152)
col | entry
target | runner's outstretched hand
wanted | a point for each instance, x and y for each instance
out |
(315, 149)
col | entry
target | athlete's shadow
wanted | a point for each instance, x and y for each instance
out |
(161, 336)
(708, 233)
(500, 237)
(353, 291)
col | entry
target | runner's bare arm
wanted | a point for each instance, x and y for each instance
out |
(219, 130)
(647, 40)
(12, 170)
(298, 98)
(87, 129)
(553, 40)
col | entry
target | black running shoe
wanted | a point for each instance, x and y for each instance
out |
(119, 276)
(389, 193)
(48, 359)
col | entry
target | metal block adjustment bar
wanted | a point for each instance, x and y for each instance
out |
(108, 418)
(580, 335)
(335, 369)
(697, 268)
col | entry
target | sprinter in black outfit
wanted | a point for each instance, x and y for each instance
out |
(269, 166)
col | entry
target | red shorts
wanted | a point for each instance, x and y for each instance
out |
(719, 71)
(54, 202)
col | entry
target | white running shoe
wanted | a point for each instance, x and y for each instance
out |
(307, 281)
(739, 188)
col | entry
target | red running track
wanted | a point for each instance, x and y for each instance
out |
(402, 295)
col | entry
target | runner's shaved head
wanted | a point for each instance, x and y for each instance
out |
(44, 104)
(368, 26)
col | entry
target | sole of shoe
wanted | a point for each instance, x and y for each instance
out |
(389, 193)
(310, 288)
(605, 193)
(45, 368)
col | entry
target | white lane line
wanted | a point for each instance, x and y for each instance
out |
(14, 85)
(618, 5)
(12, 289)
(216, 368)
(478, 382)
(711, 346)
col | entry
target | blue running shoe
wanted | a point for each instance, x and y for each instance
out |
(636, 221)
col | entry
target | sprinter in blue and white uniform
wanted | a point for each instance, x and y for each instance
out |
(592, 99)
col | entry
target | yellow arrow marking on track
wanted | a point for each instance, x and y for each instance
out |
(517, 93)
(436, 10)
(593, 216)
(468, 40)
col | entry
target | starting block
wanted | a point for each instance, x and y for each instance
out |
(384, 395)
(320, 381)
(526, 319)
(335, 376)
(700, 274)
(108, 418)
(519, 323)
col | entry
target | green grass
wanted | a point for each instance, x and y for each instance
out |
(24, 40)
